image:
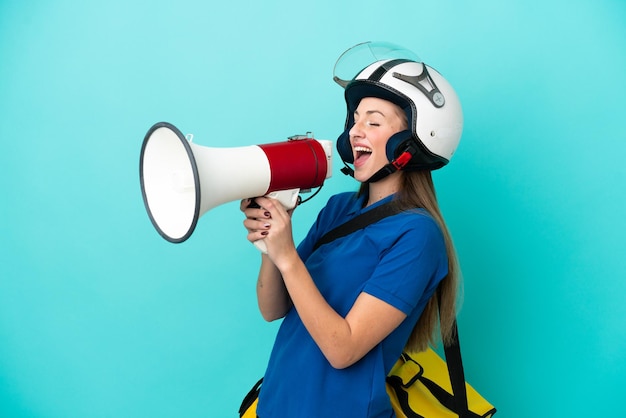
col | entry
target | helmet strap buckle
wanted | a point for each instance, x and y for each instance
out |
(396, 165)
(402, 160)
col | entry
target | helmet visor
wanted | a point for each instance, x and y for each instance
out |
(357, 58)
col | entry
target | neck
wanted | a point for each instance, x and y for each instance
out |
(383, 188)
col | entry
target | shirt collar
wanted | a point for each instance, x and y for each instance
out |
(358, 202)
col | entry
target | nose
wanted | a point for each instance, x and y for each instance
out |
(356, 130)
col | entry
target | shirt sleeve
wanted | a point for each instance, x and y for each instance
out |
(412, 262)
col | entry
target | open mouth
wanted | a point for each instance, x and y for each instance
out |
(361, 154)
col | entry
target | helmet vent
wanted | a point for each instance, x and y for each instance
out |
(426, 85)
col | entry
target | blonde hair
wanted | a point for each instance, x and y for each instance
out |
(418, 191)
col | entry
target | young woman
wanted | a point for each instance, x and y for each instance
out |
(351, 306)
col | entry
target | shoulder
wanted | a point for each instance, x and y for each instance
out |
(336, 211)
(339, 208)
(342, 201)
(414, 226)
(416, 218)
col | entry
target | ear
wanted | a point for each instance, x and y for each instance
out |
(397, 143)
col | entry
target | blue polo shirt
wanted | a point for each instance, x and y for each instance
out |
(399, 260)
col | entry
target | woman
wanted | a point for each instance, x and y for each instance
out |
(351, 306)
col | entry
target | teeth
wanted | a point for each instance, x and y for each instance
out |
(362, 149)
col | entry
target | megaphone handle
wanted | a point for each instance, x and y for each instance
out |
(260, 244)
(289, 200)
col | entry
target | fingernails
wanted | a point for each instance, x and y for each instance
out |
(266, 225)
(267, 214)
(264, 232)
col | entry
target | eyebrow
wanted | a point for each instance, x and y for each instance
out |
(369, 112)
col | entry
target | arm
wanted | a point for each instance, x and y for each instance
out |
(272, 296)
(343, 341)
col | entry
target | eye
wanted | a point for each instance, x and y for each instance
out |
(370, 123)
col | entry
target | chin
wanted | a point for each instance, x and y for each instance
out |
(362, 177)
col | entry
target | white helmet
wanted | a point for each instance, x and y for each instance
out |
(432, 107)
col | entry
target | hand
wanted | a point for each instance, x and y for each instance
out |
(270, 222)
(256, 222)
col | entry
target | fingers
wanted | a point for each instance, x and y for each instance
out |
(256, 221)
(263, 213)
(248, 204)
(254, 224)
(272, 206)
(243, 205)
(256, 229)
(253, 210)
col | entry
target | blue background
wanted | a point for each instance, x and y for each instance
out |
(100, 317)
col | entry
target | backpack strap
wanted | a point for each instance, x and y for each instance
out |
(456, 373)
(452, 351)
(359, 222)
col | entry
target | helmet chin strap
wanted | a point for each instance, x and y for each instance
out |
(396, 165)
(382, 173)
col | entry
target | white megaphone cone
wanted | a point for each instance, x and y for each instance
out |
(180, 180)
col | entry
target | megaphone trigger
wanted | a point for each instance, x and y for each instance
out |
(287, 198)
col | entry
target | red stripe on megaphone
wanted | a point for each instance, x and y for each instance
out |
(296, 164)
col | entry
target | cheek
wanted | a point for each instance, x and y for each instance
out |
(381, 139)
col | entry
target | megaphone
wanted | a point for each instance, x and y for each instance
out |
(181, 181)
